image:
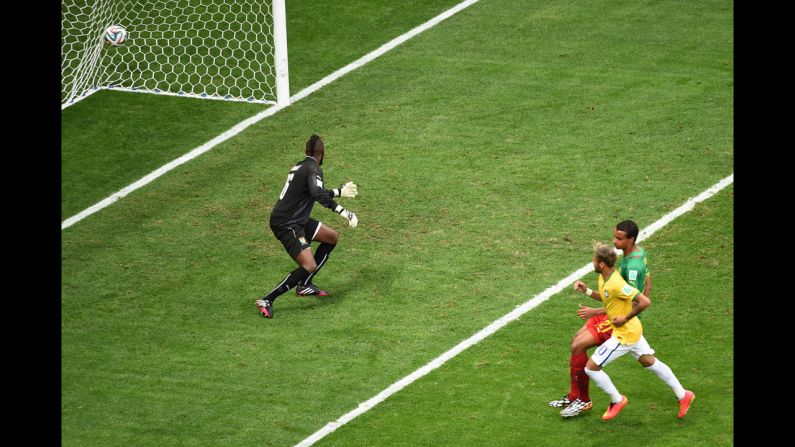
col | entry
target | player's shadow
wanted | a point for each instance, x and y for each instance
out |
(367, 280)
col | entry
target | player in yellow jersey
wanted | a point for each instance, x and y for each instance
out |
(597, 329)
(616, 296)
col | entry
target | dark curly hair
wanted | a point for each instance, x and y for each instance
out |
(311, 144)
(629, 227)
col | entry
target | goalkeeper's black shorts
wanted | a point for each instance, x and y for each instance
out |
(296, 238)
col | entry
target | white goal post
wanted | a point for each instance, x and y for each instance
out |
(233, 50)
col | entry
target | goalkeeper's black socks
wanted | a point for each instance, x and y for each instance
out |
(295, 277)
(321, 256)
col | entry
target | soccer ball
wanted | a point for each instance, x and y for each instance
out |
(115, 35)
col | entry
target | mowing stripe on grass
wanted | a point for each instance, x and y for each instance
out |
(504, 320)
(240, 127)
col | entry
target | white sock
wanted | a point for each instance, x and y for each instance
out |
(666, 375)
(603, 381)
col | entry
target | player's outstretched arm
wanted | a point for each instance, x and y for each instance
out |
(348, 189)
(353, 221)
(314, 183)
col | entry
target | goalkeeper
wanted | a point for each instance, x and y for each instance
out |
(291, 224)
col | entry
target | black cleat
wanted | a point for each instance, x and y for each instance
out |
(311, 289)
(264, 307)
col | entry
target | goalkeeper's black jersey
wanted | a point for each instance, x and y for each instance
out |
(303, 187)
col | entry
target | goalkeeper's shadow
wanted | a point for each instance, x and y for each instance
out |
(371, 281)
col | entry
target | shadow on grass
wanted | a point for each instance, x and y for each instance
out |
(366, 281)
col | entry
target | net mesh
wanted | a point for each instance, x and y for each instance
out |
(219, 49)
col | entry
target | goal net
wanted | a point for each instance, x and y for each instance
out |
(232, 50)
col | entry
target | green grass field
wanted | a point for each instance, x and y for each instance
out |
(490, 152)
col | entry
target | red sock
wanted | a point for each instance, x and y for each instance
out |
(579, 380)
(575, 368)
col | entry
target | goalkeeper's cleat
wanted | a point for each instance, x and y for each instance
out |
(265, 307)
(561, 403)
(684, 404)
(615, 408)
(309, 290)
(575, 407)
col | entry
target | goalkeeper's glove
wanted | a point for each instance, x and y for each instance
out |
(350, 215)
(349, 190)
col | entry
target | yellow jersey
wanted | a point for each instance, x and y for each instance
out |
(617, 297)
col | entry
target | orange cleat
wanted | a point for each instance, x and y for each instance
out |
(614, 409)
(684, 404)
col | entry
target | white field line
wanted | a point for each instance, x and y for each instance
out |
(502, 321)
(240, 127)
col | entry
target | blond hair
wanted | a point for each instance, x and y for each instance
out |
(605, 253)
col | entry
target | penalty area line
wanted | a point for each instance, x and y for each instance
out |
(243, 125)
(504, 320)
